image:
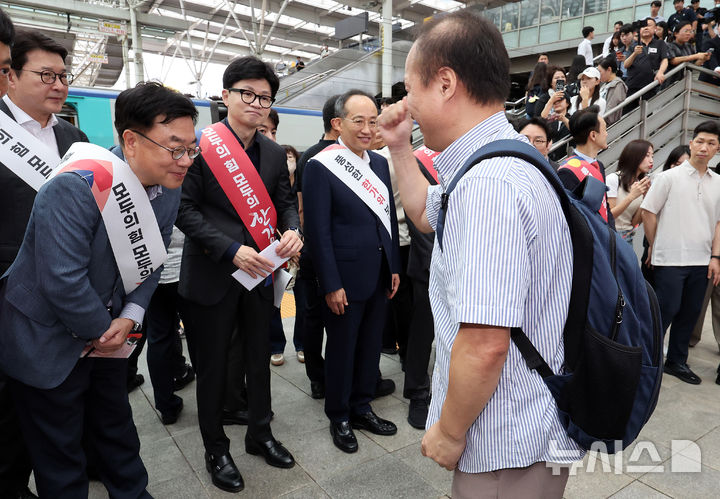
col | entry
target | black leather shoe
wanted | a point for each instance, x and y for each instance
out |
(224, 473)
(135, 381)
(372, 423)
(235, 417)
(384, 387)
(417, 414)
(343, 436)
(682, 371)
(171, 417)
(187, 376)
(317, 389)
(272, 450)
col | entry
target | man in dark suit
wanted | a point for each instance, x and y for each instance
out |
(353, 242)
(219, 241)
(65, 305)
(32, 103)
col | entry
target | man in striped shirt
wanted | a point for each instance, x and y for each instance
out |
(507, 262)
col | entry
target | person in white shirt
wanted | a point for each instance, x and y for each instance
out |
(681, 214)
(655, 6)
(585, 47)
(608, 41)
(589, 92)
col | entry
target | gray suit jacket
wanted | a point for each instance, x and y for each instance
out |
(16, 197)
(54, 296)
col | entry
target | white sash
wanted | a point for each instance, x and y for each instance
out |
(128, 216)
(24, 155)
(355, 172)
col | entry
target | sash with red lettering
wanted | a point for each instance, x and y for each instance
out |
(582, 169)
(426, 157)
(240, 182)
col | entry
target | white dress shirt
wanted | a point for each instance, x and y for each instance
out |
(44, 134)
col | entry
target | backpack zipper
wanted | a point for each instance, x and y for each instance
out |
(620, 303)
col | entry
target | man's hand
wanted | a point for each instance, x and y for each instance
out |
(115, 336)
(395, 285)
(337, 301)
(714, 271)
(290, 244)
(250, 261)
(557, 96)
(441, 447)
(396, 125)
(660, 77)
(638, 50)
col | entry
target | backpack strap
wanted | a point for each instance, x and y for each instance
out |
(518, 149)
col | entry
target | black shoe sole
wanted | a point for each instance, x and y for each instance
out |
(346, 450)
(415, 425)
(681, 377)
(250, 449)
(219, 485)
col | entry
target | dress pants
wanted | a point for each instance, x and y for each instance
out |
(352, 355)
(15, 465)
(93, 403)
(397, 325)
(680, 292)
(419, 345)
(712, 297)
(209, 330)
(310, 313)
(164, 351)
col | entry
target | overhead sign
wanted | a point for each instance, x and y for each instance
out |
(112, 28)
(351, 26)
(101, 58)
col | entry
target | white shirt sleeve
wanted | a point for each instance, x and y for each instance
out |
(606, 47)
(656, 196)
(612, 181)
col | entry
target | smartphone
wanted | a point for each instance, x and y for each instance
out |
(560, 86)
(710, 50)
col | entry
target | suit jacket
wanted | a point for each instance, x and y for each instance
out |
(54, 296)
(344, 236)
(16, 197)
(211, 225)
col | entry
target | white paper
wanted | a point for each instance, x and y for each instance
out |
(248, 282)
(282, 278)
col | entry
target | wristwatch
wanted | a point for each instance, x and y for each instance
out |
(297, 231)
(136, 327)
(715, 256)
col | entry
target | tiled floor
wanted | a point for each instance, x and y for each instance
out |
(678, 454)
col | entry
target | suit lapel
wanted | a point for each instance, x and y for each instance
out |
(63, 139)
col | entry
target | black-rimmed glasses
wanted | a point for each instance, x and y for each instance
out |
(177, 152)
(48, 77)
(248, 97)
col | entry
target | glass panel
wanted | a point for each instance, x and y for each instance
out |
(528, 37)
(571, 29)
(597, 21)
(510, 39)
(529, 10)
(624, 15)
(549, 33)
(493, 15)
(572, 8)
(593, 6)
(510, 16)
(550, 10)
(618, 4)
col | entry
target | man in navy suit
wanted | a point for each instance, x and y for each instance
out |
(352, 235)
(64, 295)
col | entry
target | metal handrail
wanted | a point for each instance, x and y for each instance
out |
(309, 77)
(637, 95)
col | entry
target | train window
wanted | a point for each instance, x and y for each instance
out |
(69, 113)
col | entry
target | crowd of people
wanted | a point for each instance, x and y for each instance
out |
(107, 249)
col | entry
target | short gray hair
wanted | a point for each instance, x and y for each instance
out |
(340, 111)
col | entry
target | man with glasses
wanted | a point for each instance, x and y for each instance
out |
(31, 102)
(352, 233)
(87, 268)
(681, 50)
(538, 133)
(236, 200)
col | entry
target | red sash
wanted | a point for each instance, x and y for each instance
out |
(240, 182)
(582, 169)
(426, 156)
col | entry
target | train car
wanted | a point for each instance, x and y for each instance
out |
(93, 111)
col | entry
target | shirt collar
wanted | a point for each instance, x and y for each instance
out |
(22, 117)
(152, 191)
(690, 169)
(455, 155)
(365, 156)
(583, 156)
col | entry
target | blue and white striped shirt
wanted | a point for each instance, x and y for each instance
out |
(507, 262)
